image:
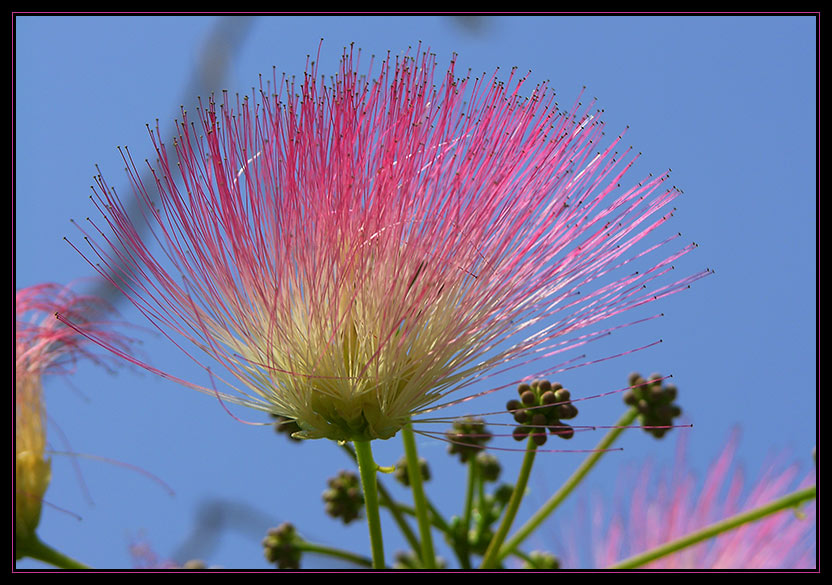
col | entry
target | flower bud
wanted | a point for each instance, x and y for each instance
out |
(467, 437)
(281, 547)
(546, 404)
(402, 473)
(344, 499)
(490, 467)
(654, 403)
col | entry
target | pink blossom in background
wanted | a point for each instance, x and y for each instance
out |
(352, 253)
(145, 558)
(46, 346)
(661, 505)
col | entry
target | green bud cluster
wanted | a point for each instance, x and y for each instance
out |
(503, 494)
(474, 540)
(486, 512)
(542, 406)
(281, 546)
(654, 402)
(541, 560)
(403, 477)
(344, 499)
(467, 437)
(489, 466)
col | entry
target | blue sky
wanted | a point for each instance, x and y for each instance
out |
(728, 103)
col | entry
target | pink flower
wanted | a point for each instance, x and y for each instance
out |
(145, 557)
(657, 509)
(353, 253)
(45, 346)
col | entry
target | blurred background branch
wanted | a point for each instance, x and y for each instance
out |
(215, 60)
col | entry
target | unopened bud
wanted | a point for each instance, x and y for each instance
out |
(344, 499)
(402, 473)
(489, 466)
(467, 438)
(281, 547)
(546, 404)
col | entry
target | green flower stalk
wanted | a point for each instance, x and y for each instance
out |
(368, 469)
(419, 501)
(491, 557)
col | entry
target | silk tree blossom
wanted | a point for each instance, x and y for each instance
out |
(664, 505)
(353, 253)
(45, 346)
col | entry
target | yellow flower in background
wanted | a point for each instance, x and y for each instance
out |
(45, 346)
(32, 468)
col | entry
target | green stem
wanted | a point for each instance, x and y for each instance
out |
(367, 468)
(34, 548)
(491, 557)
(480, 490)
(414, 473)
(537, 519)
(386, 501)
(335, 552)
(473, 479)
(789, 501)
(397, 509)
(434, 517)
(523, 556)
(469, 492)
